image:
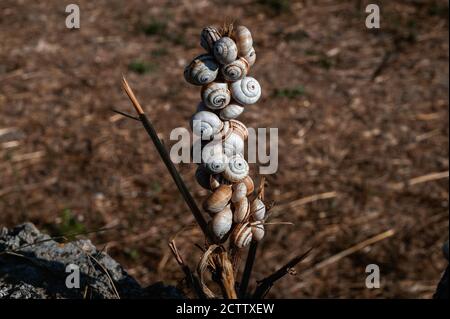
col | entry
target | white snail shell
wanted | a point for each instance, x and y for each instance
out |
(203, 177)
(216, 95)
(235, 70)
(206, 124)
(202, 70)
(246, 91)
(242, 236)
(222, 222)
(241, 210)
(237, 169)
(258, 231)
(243, 39)
(208, 37)
(231, 111)
(216, 163)
(239, 192)
(218, 199)
(225, 50)
(258, 209)
(233, 144)
(250, 57)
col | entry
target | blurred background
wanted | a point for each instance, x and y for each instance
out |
(363, 134)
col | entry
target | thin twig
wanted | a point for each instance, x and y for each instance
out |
(167, 161)
(264, 285)
(248, 269)
(421, 179)
(126, 115)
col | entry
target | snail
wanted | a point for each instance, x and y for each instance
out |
(242, 235)
(235, 70)
(216, 95)
(206, 124)
(233, 144)
(218, 199)
(239, 192)
(257, 231)
(258, 209)
(222, 222)
(244, 41)
(241, 210)
(202, 70)
(250, 57)
(225, 50)
(246, 91)
(216, 163)
(231, 111)
(240, 127)
(236, 169)
(208, 37)
(249, 184)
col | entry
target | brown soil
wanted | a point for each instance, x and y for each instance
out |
(362, 114)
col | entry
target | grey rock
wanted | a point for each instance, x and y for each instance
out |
(32, 265)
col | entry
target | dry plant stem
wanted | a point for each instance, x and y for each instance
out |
(167, 161)
(228, 283)
(264, 285)
(248, 269)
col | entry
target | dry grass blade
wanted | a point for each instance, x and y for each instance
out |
(202, 267)
(227, 275)
(264, 285)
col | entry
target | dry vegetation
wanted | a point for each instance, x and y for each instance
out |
(362, 118)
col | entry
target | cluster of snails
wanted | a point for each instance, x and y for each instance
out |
(226, 89)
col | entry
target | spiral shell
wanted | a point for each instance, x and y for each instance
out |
(218, 199)
(216, 163)
(244, 41)
(241, 210)
(242, 236)
(258, 231)
(235, 70)
(246, 91)
(239, 127)
(248, 181)
(237, 169)
(222, 222)
(202, 70)
(233, 144)
(225, 50)
(258, 209)
(239, 192)
(203, 177)
(231, 111)
(250, 57)
(206, 124)
(208, 37)
(216, 95)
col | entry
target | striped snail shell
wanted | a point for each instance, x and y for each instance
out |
(216, 95)
(258, 209)
(242, 236)
(258, 231)
(235, 70)
(244, 41)
(246, 91)
(216, 163)
(233, 144)
(239, 192)
(225, 50)
(202, 70)
(250, 57)
(248, 181)
(237, 169)
(218, 199)
(231, 111)
(239, 127)
(208, 37)
(241, 210)
(222, 222)
(206, 124)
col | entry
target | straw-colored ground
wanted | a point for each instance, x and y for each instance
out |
(363, 134)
